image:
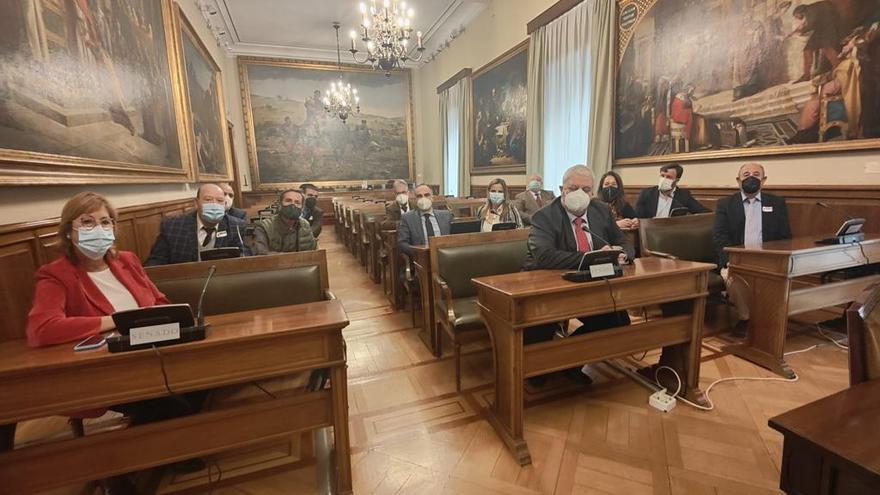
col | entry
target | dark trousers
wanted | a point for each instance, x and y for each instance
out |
(543, 333)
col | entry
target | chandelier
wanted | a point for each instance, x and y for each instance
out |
(386, 31)
(341, 98)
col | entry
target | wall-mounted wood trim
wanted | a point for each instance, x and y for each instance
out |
(452, 81)
(551, 14)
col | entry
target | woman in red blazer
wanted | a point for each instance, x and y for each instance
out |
(68, 303)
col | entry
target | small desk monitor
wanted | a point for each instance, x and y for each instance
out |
(220, 253)
(503, 226)
(465, 227)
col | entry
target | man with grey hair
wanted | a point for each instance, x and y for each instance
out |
(748, 217)
(403, 202)
(532, 199)
(561, 233)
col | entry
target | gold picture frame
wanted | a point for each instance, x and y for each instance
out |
(488, 71)
(324, 69)
(185, 31)
(38, 167)
(742, 129)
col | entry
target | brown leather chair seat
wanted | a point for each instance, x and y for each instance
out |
(716, 283)
(466, 311)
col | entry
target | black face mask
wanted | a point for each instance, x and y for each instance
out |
(290, 212)
(311, 202)
(609, 194)
(751, 185)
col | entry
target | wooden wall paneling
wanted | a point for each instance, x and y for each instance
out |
(18, 261)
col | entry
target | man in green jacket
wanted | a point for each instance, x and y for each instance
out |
(287, 231)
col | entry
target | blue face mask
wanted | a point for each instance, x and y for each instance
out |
(534, 185)
(213, 212)
(496, 197)
(96, 242)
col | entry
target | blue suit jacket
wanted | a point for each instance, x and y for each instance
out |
(178, 241)
(409, 232)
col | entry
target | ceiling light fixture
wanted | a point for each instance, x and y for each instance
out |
(387, 31)
(341, 98)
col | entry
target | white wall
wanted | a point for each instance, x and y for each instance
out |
(500, 27)
(27, 203)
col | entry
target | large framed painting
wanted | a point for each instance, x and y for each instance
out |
(205, 105)
(90, 92)
(500, 100)
(292, 139)
(735, 78)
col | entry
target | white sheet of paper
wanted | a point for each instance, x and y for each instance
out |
(154, 333)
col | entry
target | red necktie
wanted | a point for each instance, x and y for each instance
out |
(583, 240)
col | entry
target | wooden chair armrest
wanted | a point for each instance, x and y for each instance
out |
(442, 289)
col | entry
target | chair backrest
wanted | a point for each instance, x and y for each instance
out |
(686, 237)
(863, 329)
(459, 258)
(244, 284)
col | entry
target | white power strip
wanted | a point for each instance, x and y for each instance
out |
(662, 401)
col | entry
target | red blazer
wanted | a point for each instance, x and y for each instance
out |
(68, 306)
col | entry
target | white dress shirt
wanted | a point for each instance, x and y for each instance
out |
(754, 231)
(664, 204)
(434, 224)
(574, 228)
(201, 233)
(120, 298)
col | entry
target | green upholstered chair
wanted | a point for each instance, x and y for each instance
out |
(455, 260)
(687, 237)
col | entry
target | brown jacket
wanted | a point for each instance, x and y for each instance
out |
(527, 205)
(393, 214)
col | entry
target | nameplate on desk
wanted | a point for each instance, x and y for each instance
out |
(602, 270)
(154, 333)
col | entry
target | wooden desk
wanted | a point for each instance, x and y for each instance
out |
(421, 258)
(831, 445)
(240, 348)
(769, 269)
(510, 303)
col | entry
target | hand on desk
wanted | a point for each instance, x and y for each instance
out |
(621, 258)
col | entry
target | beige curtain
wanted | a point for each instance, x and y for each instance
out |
(535, 110)
(571, 92)
(456, 138)
(603, 30)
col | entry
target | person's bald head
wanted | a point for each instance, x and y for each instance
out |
(210, 193)
(752, 168)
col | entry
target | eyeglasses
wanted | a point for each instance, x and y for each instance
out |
(90, 224)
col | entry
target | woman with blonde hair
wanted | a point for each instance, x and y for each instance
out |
(498, 207)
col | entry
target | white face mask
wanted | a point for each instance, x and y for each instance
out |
(228, 203)
(576, 202)
(402, 198)
(424, 204)
(665, 184)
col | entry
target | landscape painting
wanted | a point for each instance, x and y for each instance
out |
(500, 100)
(88, 93)
(700, 80)
(208, 139)
(293, 139)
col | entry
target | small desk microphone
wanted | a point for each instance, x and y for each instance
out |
(200, 315)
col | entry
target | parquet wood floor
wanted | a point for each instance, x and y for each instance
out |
(412, 434)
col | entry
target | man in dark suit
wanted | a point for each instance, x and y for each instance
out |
(416, 226)
(561, 233)
(182, 238)
(748, 217)
(311, 212)
(230, 198)
(402, 203)
(667, 199)
(532, 199)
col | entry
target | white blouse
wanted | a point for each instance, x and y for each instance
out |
(120, 298)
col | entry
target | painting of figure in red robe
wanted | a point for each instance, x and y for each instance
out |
(702, 79)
